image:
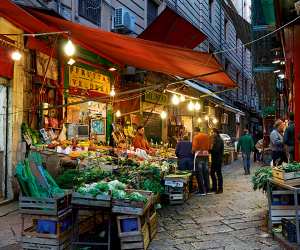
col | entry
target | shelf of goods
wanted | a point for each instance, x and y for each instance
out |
(284, 213)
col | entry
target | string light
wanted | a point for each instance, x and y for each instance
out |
(112, 69)
(199, 120)
(276, 71)
(118, 113)
(191, 106)
(215, 121)
(197, 106)
(112, 92)
(182, 98)
(69, 48)
(175, 100)
(276, 61)
(206, 118)
(163, 115)
(71, 61)
(16, 55)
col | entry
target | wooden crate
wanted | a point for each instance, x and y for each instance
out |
(140, 221)
(137, 241)
(153, 225)
(90, 200)
(132, 207)
(47, 206)
(281, 176)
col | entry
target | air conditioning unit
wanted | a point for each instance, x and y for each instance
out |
(123, 21)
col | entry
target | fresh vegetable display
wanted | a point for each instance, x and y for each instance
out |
(290, 167)
(261, 177)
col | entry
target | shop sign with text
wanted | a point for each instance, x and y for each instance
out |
(89, 80)
(155, 97)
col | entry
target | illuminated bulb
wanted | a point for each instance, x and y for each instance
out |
(118, 113)
(69, 48)
(282, 63)
(175, 100)
(90, 103)
(112, 69)
(71, 61)
(276, 71)
(281, 76)
(112, 92)
(197, 106)
(191, 106)
(199, 120)
(16, 56)
(163, 115)
(276, 61)
(215, 121)
(182, 98)
(206, 118)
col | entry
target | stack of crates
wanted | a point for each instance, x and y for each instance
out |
(51, 222)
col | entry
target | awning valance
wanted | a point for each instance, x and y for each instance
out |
(171, 28)
(126, 50)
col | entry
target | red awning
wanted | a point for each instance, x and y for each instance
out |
(127, 50)
(171, 28)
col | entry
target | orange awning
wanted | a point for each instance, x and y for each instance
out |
(171, 28)
(126, 50)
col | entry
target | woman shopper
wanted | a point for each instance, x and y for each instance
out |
(217, 152)
(277, 146)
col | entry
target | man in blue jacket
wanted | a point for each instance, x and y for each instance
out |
(184, 154)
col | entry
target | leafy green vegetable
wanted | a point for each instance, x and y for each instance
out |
(135, 196)
(291, 167)
(261, 177)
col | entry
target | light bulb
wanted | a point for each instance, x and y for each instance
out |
(276, 61)
(282, 63)
(215, 121)
(182, 98)
(197, 106)
(191, 106)
(163, 115)
(276, 71)
(175, 100)
(112, 69)
(199, 120)
(206, 118)
(69, 48)
(281, 76)
(118, 113)
(71, 61)
(16, 55)
(112, 92)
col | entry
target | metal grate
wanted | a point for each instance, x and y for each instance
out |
(90, 10)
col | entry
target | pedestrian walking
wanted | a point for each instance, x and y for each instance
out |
(184, 154)
(217, 152)
(246, 145)
(277, 146)
(200, 148)
(289, 138)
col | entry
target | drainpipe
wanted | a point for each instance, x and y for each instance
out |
(6, 144)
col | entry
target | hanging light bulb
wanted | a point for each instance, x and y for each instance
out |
(163, 115)
(112, 92)
(118, 113)
(199, 120)
(16, 55)
(281, 76)
(197, 106)
(182, 98)
(175, 100)
(206, 118)
(71, 61)
(215, 121)
(191, 106)
(69, 48)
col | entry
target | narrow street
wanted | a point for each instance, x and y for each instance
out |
(232, 220)
(235, 219)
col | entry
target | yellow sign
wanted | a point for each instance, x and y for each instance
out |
(89, 80)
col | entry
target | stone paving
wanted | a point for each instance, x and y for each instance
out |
(235, 219)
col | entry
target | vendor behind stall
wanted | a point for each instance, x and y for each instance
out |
(184, 154)
(139, 141)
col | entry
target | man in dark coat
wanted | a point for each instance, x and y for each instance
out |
(289, 138)
(217, 152)
(184, 154)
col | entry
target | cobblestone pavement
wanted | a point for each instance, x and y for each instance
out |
(235, 219)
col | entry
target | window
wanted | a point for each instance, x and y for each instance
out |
(210, 9)
(90, 10)
(152, 11)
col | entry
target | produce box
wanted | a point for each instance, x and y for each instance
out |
(100, 200)
(126, 206)
(47, 206)
(177, 180)
(130, 225)
(291, 178)
(141, 241)
(152, 220)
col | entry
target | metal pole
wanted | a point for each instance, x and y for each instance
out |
(6, 144)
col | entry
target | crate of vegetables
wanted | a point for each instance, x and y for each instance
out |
(287, 173)
(96, 194)
(131, 201)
